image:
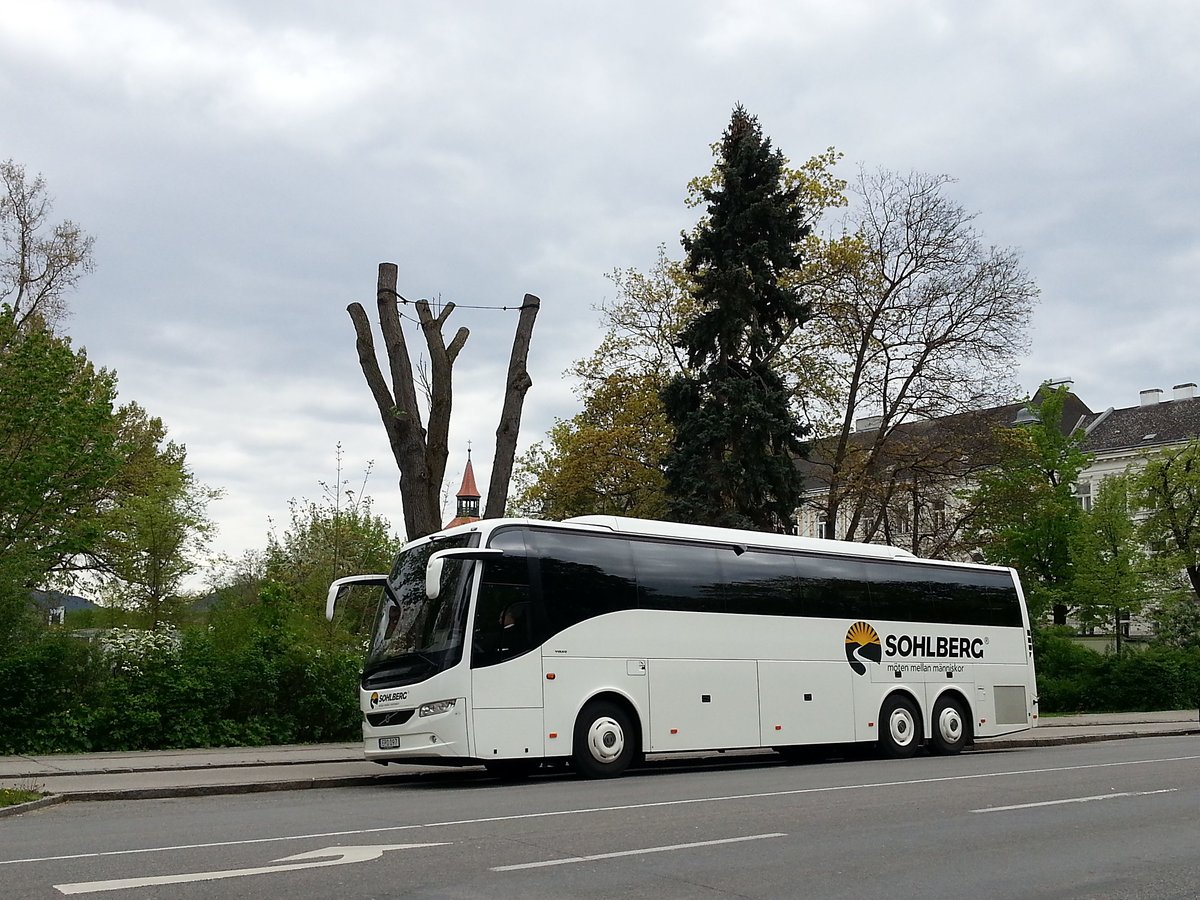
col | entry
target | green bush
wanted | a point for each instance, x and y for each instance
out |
(1072, 678)
(49, 695)
(256, 676)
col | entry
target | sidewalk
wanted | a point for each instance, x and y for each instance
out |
(236, 770)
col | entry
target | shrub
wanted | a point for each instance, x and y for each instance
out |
(1072, 678)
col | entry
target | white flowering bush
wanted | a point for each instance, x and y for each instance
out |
(131, 650)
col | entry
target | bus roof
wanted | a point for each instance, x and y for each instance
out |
(654, 528)
(737, 536)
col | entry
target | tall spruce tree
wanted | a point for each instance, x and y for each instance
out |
(736, 435)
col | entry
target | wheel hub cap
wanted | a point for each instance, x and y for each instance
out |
(606, 740)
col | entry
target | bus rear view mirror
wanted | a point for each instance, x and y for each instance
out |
(335, 589)
(437, 565)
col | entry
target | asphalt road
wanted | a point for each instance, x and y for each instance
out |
(1114, 819)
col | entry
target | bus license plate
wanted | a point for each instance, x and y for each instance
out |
(389, 743)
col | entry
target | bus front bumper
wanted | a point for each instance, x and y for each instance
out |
(439, 737)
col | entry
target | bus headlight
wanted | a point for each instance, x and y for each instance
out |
(435, 708)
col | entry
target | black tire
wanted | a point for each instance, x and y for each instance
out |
(512, 769)
(605, 742)
(899, 727)
(949, 726)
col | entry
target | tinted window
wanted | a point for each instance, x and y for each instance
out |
(762, 583)
(582, 576)
(506, 622)
(680, 576)
(832, 586)
(942, 594)
(995, 595)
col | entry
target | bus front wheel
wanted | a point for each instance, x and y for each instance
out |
(949, 727)
(899, 727)
(605, 742)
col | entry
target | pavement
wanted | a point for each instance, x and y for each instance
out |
(143, 775)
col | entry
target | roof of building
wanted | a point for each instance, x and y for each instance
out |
(466, 492)
(967, 436)
(468, 488)
(1152, 424)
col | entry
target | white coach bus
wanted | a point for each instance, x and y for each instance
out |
(509, 642)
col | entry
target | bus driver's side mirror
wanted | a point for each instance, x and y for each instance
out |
(437, 564)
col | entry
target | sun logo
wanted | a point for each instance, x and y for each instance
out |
(374, 698)
(862, 646)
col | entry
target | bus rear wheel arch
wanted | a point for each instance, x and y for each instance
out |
(606, 739)
(950, 726)
(900, 730)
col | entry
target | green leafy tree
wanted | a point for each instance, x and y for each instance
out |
(735, 432)
(153, 535)
(1108, 575)
(1025, 509)
(327, 539)
(638, 356)
(1168, 491)
(60, 456)
(604, 460)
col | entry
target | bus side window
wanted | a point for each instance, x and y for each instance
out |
(504, 620)
(583, 576)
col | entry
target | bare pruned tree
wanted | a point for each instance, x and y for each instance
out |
(40, 263)
(421, 450)
(925, 320)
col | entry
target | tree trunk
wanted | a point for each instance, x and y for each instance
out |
(516, 386)
(421, 454)
(398, 406)
(1193, 572)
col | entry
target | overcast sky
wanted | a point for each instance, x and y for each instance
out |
(245, 166)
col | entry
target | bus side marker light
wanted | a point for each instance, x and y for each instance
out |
(779, 728)
(870, 724)
(674, 731)
(549, 676)
(553, 735)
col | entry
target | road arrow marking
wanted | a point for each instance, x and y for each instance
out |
(313, 859)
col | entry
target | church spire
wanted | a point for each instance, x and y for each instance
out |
(468, 496)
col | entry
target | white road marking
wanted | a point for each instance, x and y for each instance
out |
(324, 835)
(991, 809)
(313, 859)
(578, 859)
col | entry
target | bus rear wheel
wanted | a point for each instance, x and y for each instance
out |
(605, 742)
(899, 727)
(949, 727)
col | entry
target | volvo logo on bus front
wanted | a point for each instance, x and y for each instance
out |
(862, 646)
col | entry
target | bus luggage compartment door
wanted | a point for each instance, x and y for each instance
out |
(698, 704)
(805, 702)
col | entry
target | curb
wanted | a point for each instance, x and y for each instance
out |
(1025, 743)
(210, 790)
(17, 809)
(195, 767)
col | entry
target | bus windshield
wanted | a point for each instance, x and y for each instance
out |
(413, 636)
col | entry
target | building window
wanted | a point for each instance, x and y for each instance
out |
(937, 514)
(1083, 493)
